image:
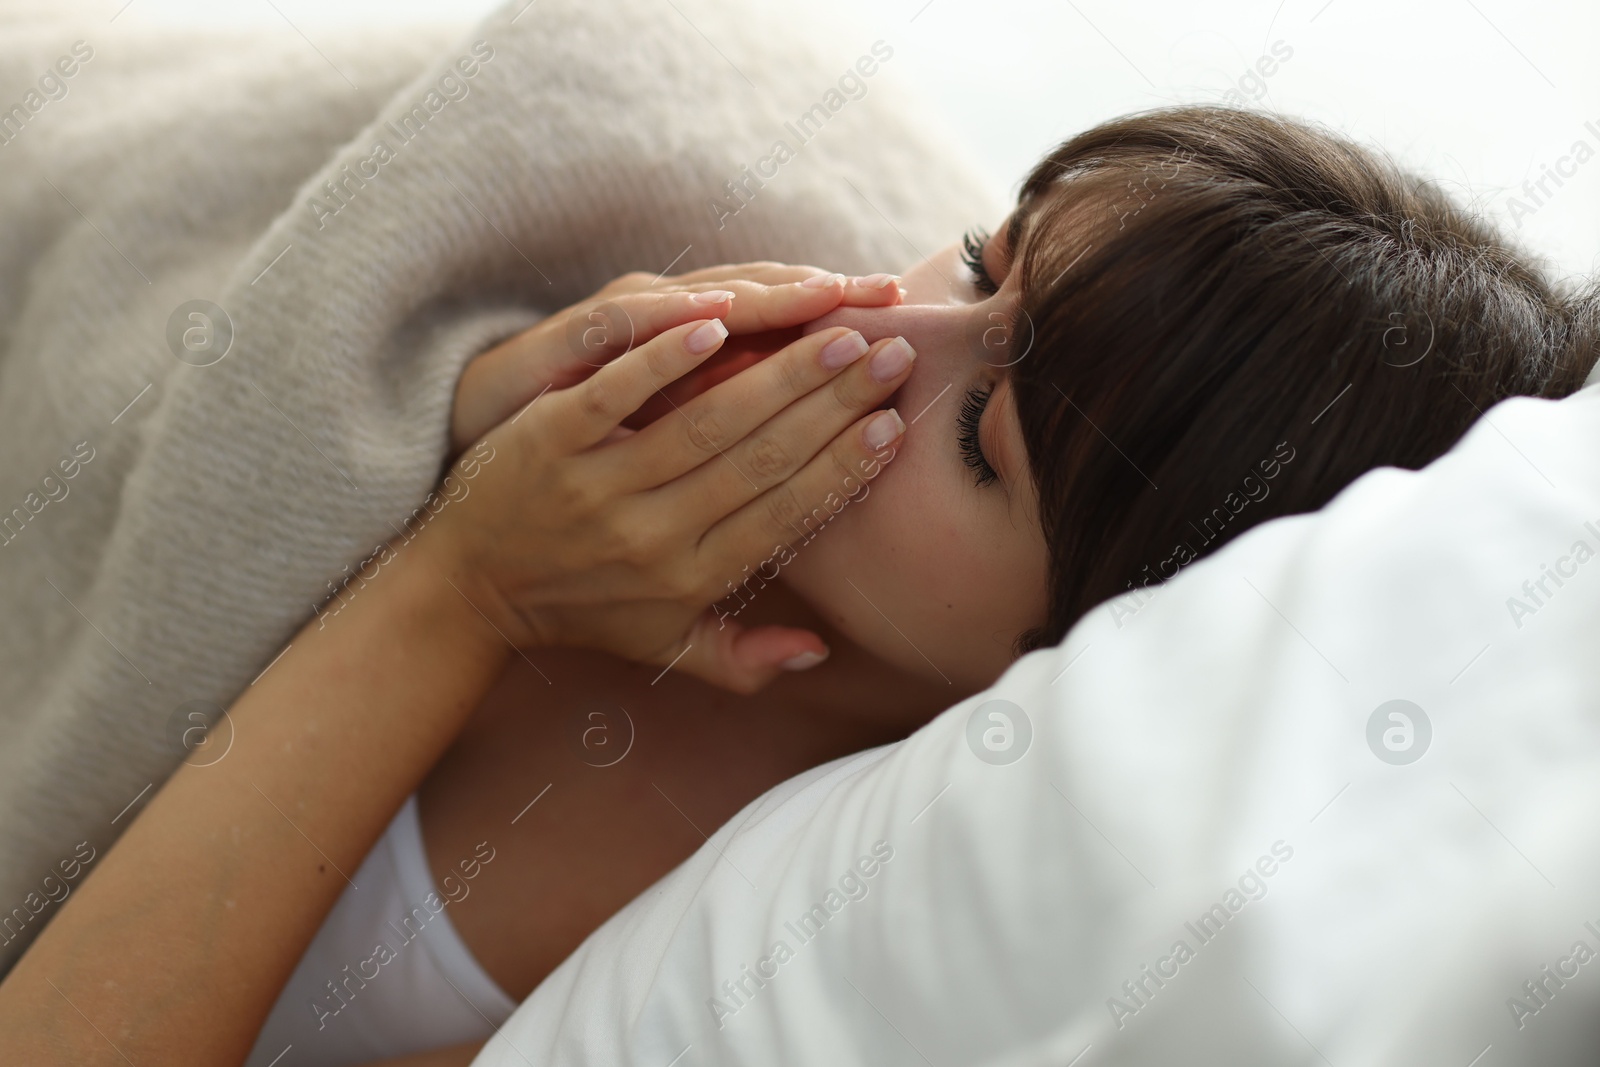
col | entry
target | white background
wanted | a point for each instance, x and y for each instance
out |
(1478, 94)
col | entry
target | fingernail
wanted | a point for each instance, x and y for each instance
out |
(876, 281)
(715, 296)
(804, 661)
(822, 281)
(706, 337)
(891, 360)
(884, 427)
(845, 350)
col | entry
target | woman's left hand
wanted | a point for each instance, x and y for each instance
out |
(770, 302)
(582, 533)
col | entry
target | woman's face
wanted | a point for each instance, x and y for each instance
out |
(942, 563)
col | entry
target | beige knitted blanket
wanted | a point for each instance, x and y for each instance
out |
(240, 275)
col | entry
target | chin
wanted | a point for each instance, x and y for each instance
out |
(844, 611)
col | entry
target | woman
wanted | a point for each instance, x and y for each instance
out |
(1195, 320)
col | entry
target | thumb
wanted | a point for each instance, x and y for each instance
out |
(730, 656)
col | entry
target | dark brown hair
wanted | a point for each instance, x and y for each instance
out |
(1232, 317)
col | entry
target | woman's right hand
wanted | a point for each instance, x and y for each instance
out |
(759, 301)
(577, 531)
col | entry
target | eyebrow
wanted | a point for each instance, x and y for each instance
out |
(1000, 453)
(1013, 234)
(1019, 222)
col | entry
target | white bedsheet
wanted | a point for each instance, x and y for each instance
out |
(1207, 756)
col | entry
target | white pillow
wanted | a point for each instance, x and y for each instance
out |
(1198, 773)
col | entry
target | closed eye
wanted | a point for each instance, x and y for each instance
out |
(971, 445)
(972, 244)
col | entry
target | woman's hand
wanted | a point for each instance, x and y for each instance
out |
(768, 302)
(580, 532)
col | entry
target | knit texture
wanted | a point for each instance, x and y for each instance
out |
(209, 506)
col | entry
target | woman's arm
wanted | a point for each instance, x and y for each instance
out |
(174, 950)
(177, 947)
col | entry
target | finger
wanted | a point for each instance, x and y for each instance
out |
(500, 382)
(787, 442)
(729, 656)
(765, 306)
(599, 331)
(871, 290)
(722, 416)
(583, 415)
(874, 290)
(761, 307)
(793, 512)
(766, 271)
(738, 354)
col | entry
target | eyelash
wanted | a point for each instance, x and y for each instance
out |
(972, 406)
(972, 255)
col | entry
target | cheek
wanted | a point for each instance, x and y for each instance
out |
(921, 545)
(870, 543)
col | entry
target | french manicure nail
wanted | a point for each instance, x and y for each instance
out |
(876, 281)
(842, 351)
(891, 360)
(804, 661)
(884, 427)
(705, 337)
(714, 296)
(822, 281)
